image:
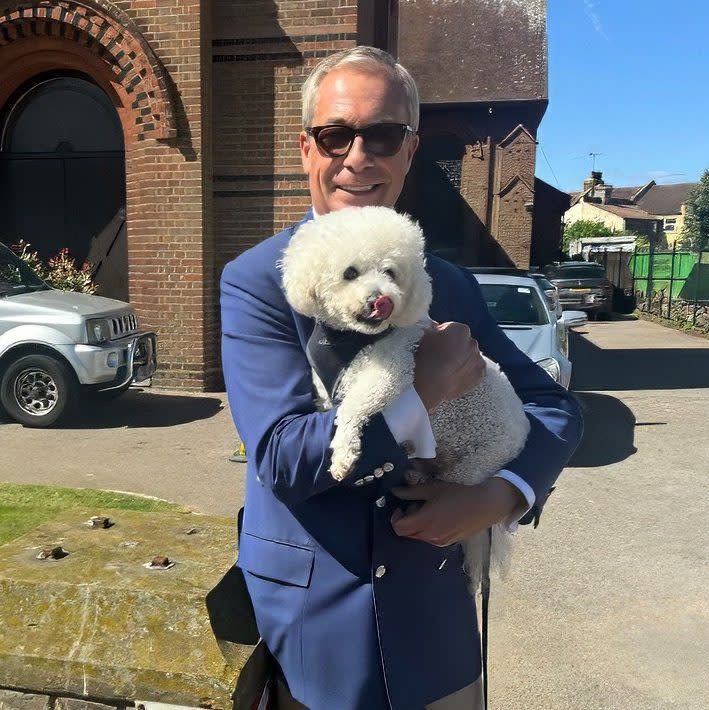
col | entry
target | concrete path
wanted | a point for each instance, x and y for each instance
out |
(607, 604)
(173, 445)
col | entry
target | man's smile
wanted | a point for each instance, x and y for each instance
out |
(356, 189)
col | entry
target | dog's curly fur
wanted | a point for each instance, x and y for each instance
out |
(333, 268)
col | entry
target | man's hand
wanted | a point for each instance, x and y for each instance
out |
(452, 512)
(448, 364)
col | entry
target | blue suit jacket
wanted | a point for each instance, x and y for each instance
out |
(344, 636)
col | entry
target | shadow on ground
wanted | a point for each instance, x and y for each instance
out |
(139, 408)
(636, 369)
(609, 431)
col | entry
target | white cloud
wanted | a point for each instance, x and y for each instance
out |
(590, 10)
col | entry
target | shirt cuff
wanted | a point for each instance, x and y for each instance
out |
(408, 422)
(512, 523)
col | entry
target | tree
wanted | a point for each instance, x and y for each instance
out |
(585, 229)
(695, 235)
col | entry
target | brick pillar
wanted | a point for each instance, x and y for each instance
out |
(513, 197)
(170, 243)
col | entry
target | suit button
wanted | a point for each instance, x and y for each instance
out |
(378, 472)
(388, 467)
(380, 502)
(380, 571)
(359, 482)
(368, 479)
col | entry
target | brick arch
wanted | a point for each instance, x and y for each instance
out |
(108, 35)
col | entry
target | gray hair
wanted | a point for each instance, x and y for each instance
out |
(369, 59)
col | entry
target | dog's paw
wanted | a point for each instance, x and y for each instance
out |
(343, 461)
(338, 470)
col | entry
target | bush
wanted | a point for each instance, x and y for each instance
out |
(60, 272)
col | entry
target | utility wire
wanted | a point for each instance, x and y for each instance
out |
(550, 168)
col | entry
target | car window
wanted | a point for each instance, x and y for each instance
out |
(544, 284)
(511, 304)
(582, 271)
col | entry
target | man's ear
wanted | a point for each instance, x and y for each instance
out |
(305, 147)
(412, 147)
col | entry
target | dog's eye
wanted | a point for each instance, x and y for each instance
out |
(390, 273)
(350, 273)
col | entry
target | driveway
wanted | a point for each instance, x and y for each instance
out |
(606, 606)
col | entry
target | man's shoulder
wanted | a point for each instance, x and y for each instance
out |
(446, 275)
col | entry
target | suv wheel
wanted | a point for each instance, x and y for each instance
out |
(37, 390)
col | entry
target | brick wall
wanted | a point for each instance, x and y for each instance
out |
(259, 66)
(149, 57)
(476, 213)
(169, 226)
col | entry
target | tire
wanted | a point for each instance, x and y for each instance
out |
(38, 390)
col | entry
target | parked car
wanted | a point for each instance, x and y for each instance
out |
(57, 345)
(518, 303)
(582, 286)
(550, 292)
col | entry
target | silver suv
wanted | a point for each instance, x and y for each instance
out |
(57, 345)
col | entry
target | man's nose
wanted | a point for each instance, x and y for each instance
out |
(358, 157)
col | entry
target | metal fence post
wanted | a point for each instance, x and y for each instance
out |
(650, 268)
(672, 276)
(696, 287)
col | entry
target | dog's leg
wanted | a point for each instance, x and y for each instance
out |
(376, 377)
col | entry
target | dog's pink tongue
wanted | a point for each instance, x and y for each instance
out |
(382, 308)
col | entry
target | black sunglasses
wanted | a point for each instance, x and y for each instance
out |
(380, 139)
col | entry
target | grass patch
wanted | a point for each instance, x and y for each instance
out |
(24, 507)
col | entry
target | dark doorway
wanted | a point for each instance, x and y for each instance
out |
(62, 176)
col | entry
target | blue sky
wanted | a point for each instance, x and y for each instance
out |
(628, 79)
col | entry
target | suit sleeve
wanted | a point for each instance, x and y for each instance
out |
(554, 413)
(269, 386)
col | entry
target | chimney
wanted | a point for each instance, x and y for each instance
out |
(604, 191)
(591, 182)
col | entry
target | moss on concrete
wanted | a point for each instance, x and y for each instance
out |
(98, 623)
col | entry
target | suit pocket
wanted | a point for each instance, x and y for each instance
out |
(278, 561)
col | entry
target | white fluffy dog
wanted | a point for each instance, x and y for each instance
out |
(359, 272)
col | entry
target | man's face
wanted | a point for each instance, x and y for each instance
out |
(357, 99)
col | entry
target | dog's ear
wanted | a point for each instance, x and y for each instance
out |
(299, 276)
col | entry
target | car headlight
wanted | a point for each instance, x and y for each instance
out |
(551, 366)
(562, 339)
(98, 331)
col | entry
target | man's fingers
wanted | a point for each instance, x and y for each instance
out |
(409, 525)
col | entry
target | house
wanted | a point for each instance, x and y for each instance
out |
(656, 211)
(161, 137)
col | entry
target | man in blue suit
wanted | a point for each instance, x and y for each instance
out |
(354, 597)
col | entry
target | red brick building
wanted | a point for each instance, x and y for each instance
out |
(159, 137)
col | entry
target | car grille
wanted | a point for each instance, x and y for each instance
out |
(123, 325)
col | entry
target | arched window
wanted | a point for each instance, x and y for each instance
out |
(62, 175)
(62, 114)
